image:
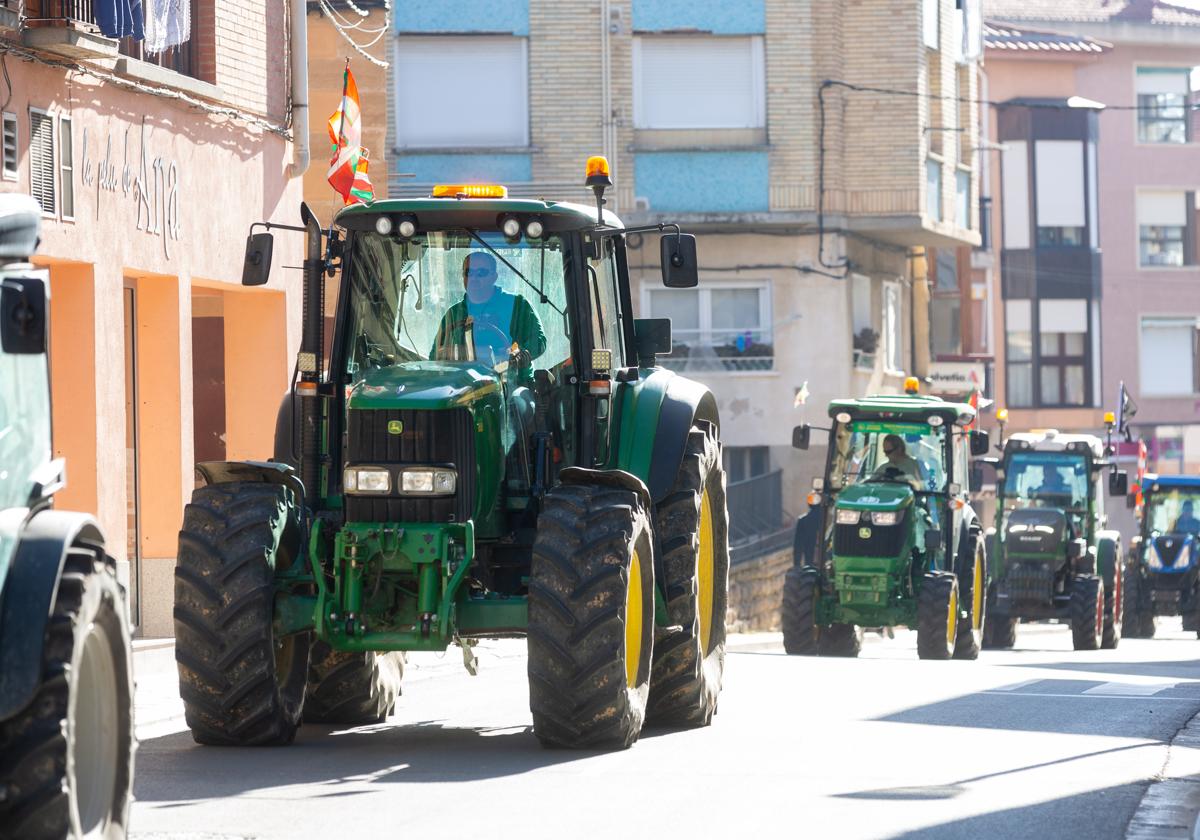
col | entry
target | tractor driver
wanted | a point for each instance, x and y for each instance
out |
(497, 320)
(1187, 523)
(899, 463)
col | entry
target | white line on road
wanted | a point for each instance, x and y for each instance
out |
(1129, 689)
(1088, 696)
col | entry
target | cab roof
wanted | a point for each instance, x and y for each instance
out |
(913, 407)
(433, 213)
(1051, 440)
(1192, 481)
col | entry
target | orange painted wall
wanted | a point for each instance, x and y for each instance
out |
(256, 371)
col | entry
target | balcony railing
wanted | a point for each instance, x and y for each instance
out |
(55, 12)
(758, 523)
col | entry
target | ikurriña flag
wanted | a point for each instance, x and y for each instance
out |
(348, 166)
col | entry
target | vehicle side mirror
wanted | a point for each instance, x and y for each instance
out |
(256, 268)
(801, 435)
(678, 259)
(1118, 483)
(652, 337)
(23, 315)
(980, 442)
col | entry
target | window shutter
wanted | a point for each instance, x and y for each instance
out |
(41, 160)
(9, 151)
(699, 81)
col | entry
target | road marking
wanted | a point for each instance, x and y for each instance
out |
(1088, 696)
(1129, 689)
(1016, 686)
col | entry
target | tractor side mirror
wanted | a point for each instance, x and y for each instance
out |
(256, 268)
(678, 259)
(652, 337)
(1118, 483)
(980, 443)
(23, 315)
(801, 436)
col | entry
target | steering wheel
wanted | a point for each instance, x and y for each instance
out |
(890, 475)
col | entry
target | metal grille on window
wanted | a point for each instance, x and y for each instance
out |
(9, 151)
(41, 160)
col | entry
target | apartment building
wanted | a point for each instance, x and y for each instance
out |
(826, 154)
(151, 158)
(1101, 274)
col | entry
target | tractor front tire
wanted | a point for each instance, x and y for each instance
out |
(240, 685)
(801, 588)
(692, 526)
(1139, 603)
(840, 640)
(351, 687)
(972, 587)
(1000, 630)
(1114, 613)
(591, 618)
(937, 616)
(1087, 612)
(66, 760)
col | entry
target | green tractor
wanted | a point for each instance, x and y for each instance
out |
(488, 449)
(66, 684)
(898, 542)
(1052, 557)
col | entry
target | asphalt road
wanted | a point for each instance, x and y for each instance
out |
(1036, 742)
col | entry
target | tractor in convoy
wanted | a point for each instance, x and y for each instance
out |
(1053, 558)
(66, 684)
(488, 449)
(898, 541)
(1161, 576)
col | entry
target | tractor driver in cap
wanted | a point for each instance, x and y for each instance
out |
(497, 320)
(899, 463)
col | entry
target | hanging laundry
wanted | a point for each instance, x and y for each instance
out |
(168, 24)
(120, 18)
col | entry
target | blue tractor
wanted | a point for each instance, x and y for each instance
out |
(1162, 577)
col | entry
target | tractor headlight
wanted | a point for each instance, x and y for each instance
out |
(428, 482)
(366, 480)
(1185, 557)
(885, 517)
(1153, 560)
(848, 517)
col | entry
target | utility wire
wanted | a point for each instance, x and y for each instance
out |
(344, 32)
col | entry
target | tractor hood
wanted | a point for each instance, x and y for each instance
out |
(425, 385)
(875, 497)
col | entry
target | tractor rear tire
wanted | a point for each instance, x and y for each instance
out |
(351, 687)
(1139, 604)
(840, 640)
(937, 615)
(66, 760)
(240, 685)
(1114, 613)
(692, 526)
(801, 587)
(591, 617)
(1087, 612)
(972, 587)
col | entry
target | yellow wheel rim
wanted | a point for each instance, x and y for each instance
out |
(633, 621)
(977, 595)
(705, 572)
(952, 617)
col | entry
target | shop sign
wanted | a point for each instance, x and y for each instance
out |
(152, 184)
(955, 378)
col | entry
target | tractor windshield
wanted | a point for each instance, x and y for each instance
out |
(458, 296)
(1046, 479)
(1173, 510)
(871, 451)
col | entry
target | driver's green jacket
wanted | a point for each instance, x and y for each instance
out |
(525, 329)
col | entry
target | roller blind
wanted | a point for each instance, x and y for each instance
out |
(1168, 80)
(1162, 208)
(1168, 356)
(1060, 175)
(1062, 316)
(698, 81)
(461, 91)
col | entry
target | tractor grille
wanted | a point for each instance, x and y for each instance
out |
(443, 437)
(1168, 549)
(1036, 530)
(882, 541)
(1031, 581)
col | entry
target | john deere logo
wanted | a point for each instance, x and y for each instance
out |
(864, 533)
(395, 427)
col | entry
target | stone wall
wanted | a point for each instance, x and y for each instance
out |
(756, 592)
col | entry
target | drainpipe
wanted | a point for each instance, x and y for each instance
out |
(300, 150)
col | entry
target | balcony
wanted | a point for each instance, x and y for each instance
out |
(758, 523)
(64, 27)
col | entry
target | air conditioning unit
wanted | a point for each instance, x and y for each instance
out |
(641, 204)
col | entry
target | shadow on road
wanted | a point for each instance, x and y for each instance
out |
(173, 767)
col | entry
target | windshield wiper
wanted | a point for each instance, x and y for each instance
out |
(514, 269)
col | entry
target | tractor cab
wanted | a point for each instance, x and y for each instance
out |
(1164, 575)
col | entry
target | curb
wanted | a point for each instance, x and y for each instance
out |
(1170, 808)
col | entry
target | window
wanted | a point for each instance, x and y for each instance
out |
(67, 164)
(945, 328)
(462, 92)
(1061, 214)
(180, 58)
(9, 149)
(865, 341)
(1164, 95)
(1166, 228)
(962, 199)
(933, 189)
(1018, 320)
(1169, 356)
(929, 23)
(892, 360)
(715, 327)
(1062, 352)
(1014, 185)
(41, 160)
(744, 462)
(698, 81)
